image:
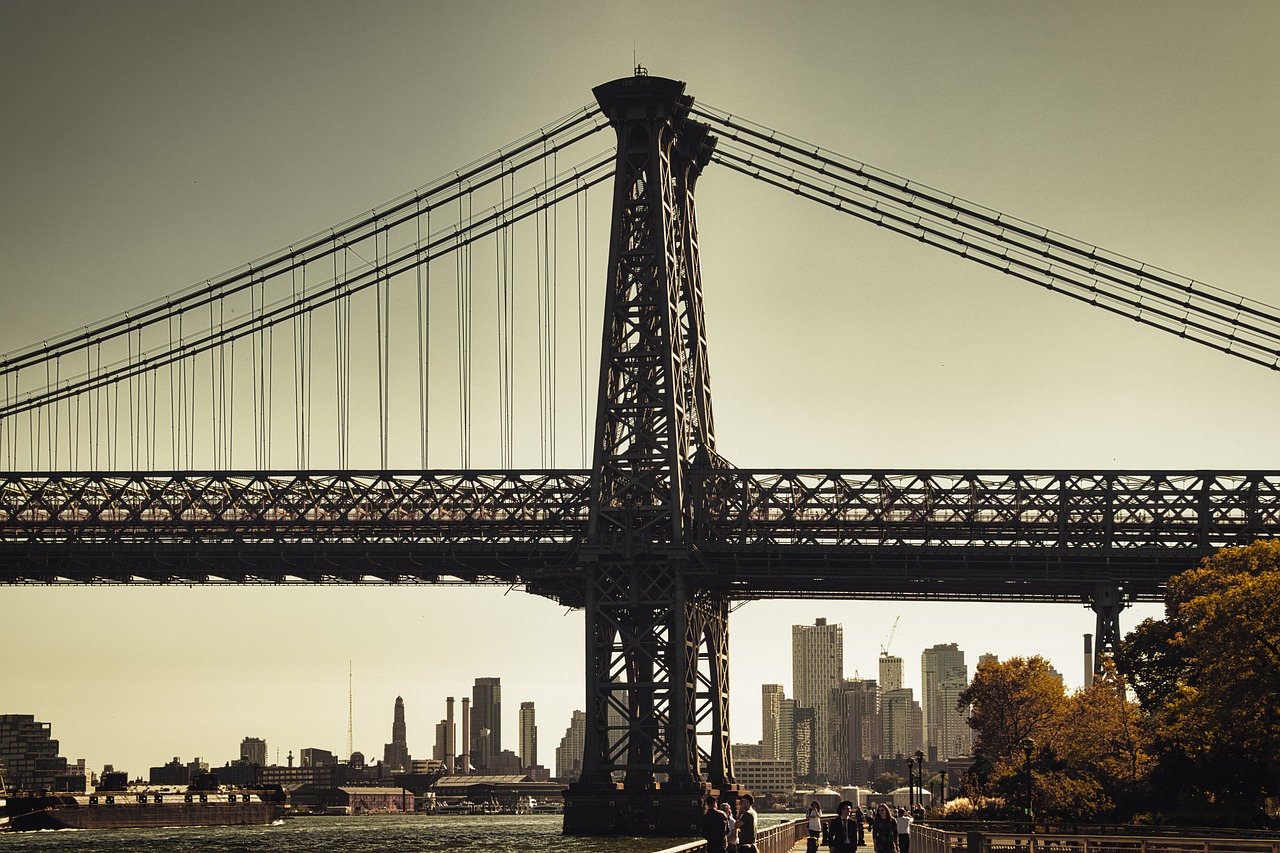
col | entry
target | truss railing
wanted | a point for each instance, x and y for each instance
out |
(1050, 509)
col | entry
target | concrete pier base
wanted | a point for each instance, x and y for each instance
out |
(661, 811)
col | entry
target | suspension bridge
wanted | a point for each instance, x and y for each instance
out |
(426, 351)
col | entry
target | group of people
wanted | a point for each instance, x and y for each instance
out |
(845, 832)
(726, 832)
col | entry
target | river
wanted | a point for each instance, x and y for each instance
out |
(387, 834)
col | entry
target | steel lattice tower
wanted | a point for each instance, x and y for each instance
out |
(657, 641)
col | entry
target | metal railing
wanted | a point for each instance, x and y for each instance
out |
(928, 839)
(779, 838)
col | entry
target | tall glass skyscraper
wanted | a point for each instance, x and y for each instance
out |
(943, 676)
(486, 722)
(817, 669)
(528, 736)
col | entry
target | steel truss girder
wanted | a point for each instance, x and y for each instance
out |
(1008, 535)
(1046, 511)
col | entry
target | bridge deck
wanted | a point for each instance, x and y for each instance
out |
(1012, 535)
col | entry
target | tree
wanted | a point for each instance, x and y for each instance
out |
(1209, 676)
(1009, 701)
(1101, 752)
(886, 782)
(1091, 755)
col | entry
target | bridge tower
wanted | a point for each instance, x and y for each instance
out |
(656, 629)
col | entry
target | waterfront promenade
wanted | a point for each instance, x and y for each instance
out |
(790, 837)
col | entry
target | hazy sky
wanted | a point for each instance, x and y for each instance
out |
(151, 145)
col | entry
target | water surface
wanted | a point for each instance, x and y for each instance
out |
(370, 834)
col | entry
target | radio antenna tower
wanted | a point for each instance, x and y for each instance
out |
(350, 747)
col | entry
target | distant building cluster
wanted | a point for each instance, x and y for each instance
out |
(838, 730)
(833, 730)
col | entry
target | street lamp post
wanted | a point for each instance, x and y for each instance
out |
(943, 788)
(911, 786)
(920, 777)
(1028, 746)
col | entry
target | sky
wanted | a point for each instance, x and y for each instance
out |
(149, 145)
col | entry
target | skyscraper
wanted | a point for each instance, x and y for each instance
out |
(396, 754)
(771, 696)
(955, 737)
(569, 753)
(899, 723)
(528, 735)
(29, 754)
(942, 668)
(817, 668)
(486, 722)
(890, 673)
(857, 730)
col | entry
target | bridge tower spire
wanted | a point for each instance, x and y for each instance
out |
(656, 631)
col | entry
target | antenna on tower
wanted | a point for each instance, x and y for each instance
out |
(350, 746)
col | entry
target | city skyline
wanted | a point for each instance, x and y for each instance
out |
(403, 722)
(150, 145)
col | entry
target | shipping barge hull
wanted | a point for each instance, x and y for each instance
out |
(76, 812)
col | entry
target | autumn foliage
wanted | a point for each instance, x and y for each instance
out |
(1183, 728)
(1089, 757)
(1208, 677)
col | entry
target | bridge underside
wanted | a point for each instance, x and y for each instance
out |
(899, 572)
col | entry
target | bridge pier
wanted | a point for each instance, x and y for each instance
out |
(1107, 601)
(657, 670)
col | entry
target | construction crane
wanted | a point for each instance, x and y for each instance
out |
(884, 648)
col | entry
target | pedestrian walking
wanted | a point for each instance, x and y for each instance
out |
(746, 824)
(842, 831)
(731, 838)
(815, 825)
(884, 831)
(715, 827)
(904, 830)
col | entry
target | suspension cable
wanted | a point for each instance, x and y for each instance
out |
(946, 205)
(1208, 315)
(588, 174)
(569, 130)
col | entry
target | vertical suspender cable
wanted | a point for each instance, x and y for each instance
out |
(229, 398)
(579, 204)
(307, 323)
(255, 344)
(386, 352)
(133, 425)
(215, 413)
(554, 281)
(53, 418)
(424, 328)
(296, 353)
(380, 345)
(499, 268)
(540, 258)
(152, 414)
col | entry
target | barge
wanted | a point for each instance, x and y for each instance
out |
(126, 810)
